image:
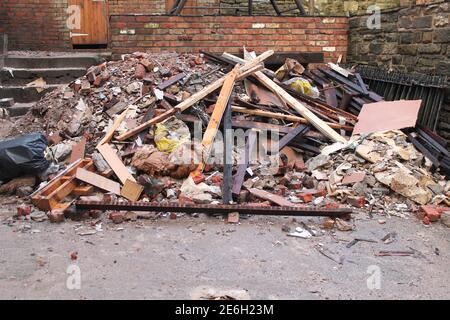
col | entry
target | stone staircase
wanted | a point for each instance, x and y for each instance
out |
(56, 70)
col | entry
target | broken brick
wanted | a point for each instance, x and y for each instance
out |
(117, 217)
(56, 216)
(431, 212)
(140, 71)
(199, 178)
(306, 197)
(358, 202)
(24, 210)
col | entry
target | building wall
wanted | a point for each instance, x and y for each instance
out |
(409, 39)
(218, 34)
(415, 39)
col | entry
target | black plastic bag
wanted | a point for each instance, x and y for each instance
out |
(23, 155)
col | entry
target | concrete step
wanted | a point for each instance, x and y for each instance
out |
(65, 61)
(23, 94)
(20, 109)
(18, 77)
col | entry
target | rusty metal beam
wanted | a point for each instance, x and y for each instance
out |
(209, 209)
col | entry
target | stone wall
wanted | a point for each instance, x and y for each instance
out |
(409, 39)
(413, 39)
(322, 7)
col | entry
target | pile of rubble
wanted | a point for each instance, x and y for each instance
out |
(145, 134)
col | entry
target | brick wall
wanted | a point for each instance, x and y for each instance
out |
(217, 34)
(35, 24)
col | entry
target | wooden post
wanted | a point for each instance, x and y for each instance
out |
(227, 154)
(216, 118)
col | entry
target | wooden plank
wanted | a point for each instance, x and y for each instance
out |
(83, 190)
(330, 95)
(48, 197)
(171, 81)
(116, 124)
(271, 197)
(115, 163)
(300, 108)
(98, 181)
(118, 107)
(299, 130)
(78, 151)
(195, 97)
(288, 117)
(216, 118)
(246, 124)
(132, 190)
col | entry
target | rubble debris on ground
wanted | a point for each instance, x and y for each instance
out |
(143, 134)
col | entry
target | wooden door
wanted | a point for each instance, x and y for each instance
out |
(94, 22)
(189, 3)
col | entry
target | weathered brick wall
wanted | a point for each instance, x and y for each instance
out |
(415, 39)
(218, 34)
(35, 24)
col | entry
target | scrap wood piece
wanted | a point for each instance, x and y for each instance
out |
(361, 83)
(300, 108)
(245, 71)
(330, 95)
(216, 118)
(108, 136)
(387, 115)
(298, 131)
(171, 81)
(83, 190)
(394, 253)
(211, 208)
(227, 156)
(132, 190)
(239, 177)
(247, 124)
(262, 95)
(78, 150)
(281, 201)
(49, 197)
(98, 181)
(118, 107)
(346, 73)
(115, 163)
(287, 117)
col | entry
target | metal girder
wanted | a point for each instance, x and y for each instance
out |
(209, 208)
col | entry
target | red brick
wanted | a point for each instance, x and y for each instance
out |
(56, 216)
(117, 217)
(306, 197)
(24, 210)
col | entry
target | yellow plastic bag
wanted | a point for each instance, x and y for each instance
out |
(170, 134)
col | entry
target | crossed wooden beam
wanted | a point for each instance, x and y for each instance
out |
(178, 6)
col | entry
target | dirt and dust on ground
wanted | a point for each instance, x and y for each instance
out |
(116, 171)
